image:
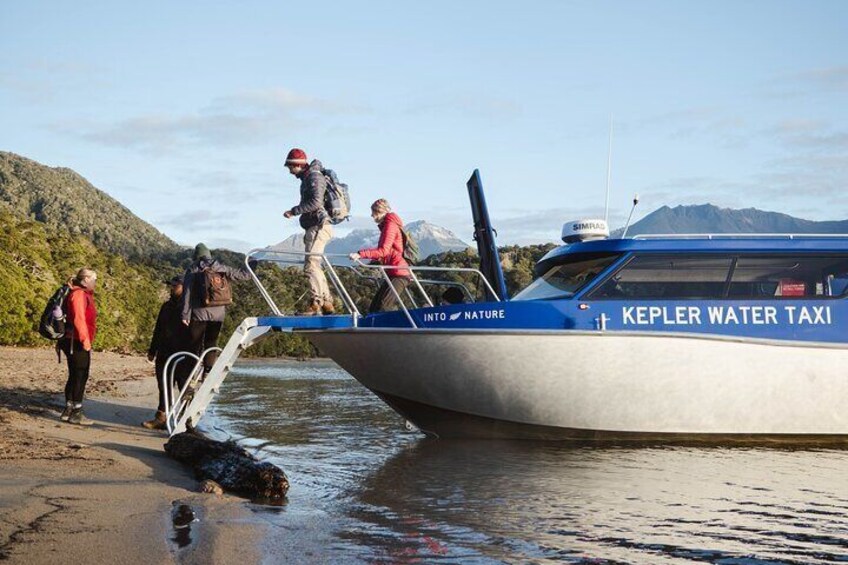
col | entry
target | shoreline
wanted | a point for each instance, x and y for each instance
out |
(92, 493)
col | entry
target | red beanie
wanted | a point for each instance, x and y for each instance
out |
(296, 157)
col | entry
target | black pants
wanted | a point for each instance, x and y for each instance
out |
(202, 336)
(384, 298)
(181, 373)
(79, 365)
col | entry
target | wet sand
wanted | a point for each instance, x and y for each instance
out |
(103, 493)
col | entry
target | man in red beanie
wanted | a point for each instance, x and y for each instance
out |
(313, 219)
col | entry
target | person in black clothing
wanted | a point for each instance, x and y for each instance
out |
(203, 320)
(169, 337)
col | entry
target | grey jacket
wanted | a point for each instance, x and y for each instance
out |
(192, 307)
(313, 187)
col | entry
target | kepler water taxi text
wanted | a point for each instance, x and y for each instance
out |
(725, 315)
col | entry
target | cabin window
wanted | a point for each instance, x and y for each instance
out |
(803, 276)
(564, 280)
(668, 276)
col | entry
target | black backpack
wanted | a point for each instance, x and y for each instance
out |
(336, 198)
(52, 323)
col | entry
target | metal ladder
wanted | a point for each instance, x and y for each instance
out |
(184, 411)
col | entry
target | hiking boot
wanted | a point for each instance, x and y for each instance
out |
(66, 413)
(327, 308)
(157, 423)
(77, 418)
(314, 309)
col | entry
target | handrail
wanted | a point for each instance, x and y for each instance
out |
(173, 407)
(339, 285)
(740, 236)
(348, 302)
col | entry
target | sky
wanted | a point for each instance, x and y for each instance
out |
(184, 111)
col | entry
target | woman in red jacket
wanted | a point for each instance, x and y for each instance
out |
(80, 329)
(389, 252)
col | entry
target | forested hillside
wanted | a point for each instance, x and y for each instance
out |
(37, 260)
(66, 203)
(53, 222)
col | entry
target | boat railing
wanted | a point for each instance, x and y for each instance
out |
(326, 262)
(740, 236)
(418, 283)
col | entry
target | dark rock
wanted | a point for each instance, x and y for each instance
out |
(229, 465)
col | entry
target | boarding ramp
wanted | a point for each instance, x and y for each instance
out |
(184, 409)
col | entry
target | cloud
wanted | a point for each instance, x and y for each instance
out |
(805, 184)
(246, 118)
(277, 99)
(239, 245)
(227, 184)
(825, 80)
(469, 106)
(698, 121)
(829, 79)
(198, 220)
(40, 81)
(811, 134)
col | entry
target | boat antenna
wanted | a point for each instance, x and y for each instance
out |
(627, 225)
(609, 172)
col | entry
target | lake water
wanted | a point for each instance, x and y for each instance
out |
(366, 489)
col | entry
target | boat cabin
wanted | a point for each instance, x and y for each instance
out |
(707, 268)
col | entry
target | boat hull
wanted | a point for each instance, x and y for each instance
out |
(619, 386)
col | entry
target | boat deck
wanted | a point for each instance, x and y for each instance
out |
(289, 323)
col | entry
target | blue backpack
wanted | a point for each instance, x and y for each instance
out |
(336, 199)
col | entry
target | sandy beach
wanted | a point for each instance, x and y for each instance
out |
(103, 493)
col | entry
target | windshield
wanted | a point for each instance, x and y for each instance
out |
(563, 281)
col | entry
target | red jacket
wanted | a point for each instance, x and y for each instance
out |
(389, 250)
(82, 316)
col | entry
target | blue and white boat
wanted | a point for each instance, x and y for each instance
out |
(734, 338)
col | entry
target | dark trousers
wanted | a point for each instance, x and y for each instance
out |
(202, 336)
(181, 372)
(385, 298)
(79, 365)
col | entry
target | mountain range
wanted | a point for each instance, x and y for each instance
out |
(431, 240)
(53, 221)
(706, 218)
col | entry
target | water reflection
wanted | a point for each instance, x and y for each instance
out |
(518, 500)
(364, 489)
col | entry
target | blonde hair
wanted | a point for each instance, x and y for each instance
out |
(381, 206)
(83, 274)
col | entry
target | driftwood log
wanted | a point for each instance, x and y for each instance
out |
(229, 465)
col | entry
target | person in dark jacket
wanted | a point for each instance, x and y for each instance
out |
(389, 252)
(318, 230)
(204, 322)
(169, 336)
(81, 328)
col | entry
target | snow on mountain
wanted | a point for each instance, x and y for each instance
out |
(433, 239)
(430, 238)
